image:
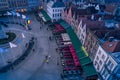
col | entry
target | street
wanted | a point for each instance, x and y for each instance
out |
(34, 66)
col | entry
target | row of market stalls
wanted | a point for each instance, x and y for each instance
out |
(72, 53)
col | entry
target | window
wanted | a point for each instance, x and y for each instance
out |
(99, 52)
(53, 10)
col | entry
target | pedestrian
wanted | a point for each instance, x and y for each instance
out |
(49, 57)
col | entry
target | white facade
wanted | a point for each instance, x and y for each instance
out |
(55, 13)
(100, 59)
(108, 69)
(81, 32)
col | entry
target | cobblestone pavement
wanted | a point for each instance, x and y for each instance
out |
(34, 66)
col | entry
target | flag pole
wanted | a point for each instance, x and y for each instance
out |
(3, 59)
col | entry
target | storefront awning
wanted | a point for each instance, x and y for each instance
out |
(84, 59)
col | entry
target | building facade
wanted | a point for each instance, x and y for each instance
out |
(55, 10)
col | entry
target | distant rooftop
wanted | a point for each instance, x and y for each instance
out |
(56, 4)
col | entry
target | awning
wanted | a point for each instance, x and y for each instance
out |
(45, 15)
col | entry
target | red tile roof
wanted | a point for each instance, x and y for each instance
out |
(111, 47)
(110, 8)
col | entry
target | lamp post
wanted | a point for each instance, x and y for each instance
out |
(2, 57)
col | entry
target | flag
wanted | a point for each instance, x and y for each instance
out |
(8, 13)
(12, 45)
(18, 14)
(13, 13)
(23, 16)
(23, 36)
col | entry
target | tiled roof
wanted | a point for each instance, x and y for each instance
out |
(110, 8)
(113, 46)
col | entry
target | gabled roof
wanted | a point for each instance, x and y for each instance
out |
(113, 46)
